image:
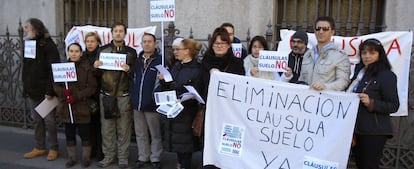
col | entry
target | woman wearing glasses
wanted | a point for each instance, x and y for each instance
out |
(178, 132)
(376, 86)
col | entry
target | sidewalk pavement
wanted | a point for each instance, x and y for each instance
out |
(16, 141)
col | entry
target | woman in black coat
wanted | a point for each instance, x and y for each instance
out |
(376, 86)
(178, 132)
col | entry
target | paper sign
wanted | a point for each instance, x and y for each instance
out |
(237, 49)
(231, 142)
(167, 97)
(273, 61)
(30, 49)
(112, 61)
(165, 73)
(64, 72)
(195, 93)
(46, 106)
(161, 11)
(170, 110)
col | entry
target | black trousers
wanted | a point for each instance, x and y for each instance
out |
(368, 150)
(84, 131)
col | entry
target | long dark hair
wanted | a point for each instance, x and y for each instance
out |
(382, 63)
(38, 27)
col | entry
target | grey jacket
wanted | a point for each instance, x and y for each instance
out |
(332, 68)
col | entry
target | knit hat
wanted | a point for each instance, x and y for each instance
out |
(301, 35)
(177, 41)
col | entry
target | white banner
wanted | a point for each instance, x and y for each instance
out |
(397, 45)
(132, 39)
(257, 123)
(273, 61)
(161, 11)
(112, 61)
(64, 72)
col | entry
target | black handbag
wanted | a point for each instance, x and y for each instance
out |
(110, 104)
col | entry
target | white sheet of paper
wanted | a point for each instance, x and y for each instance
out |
(64, 72)
(30, 49)
(112, 61)
(46, 106)
(165, 72)
(166, 97)
(194, 91)
(170, 110)
(186, 96)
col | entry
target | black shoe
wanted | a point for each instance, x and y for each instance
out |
(156, 165)
(141, 164)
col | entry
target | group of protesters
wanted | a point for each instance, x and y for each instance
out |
(125, 98)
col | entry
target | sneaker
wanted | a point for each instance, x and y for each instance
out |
(156, 165)
(123, 163)
(34, 153)
(53, 155)
(141, 164)
(107, 161)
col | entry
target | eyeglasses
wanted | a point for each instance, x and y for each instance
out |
(219, 44)
(323, 28)
(296, 41)
(178, 49)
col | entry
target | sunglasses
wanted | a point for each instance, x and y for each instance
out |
(323, 28)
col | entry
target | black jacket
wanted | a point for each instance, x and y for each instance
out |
(37, 73)
(178, 134)
(382, 90)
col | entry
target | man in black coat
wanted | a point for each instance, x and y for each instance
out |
(37, 85)
(299, 41)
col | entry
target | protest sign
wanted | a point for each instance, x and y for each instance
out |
(132, 39)
(64, 72)
(165, 97)
(237, 49)
(397, 46)
(256, 123)
(161, 11)
(112, 61)
(30, 49)
(273, 61)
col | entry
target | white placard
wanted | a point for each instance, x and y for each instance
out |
(64, 72)
(237, 49)
(165, 73)
(273, 61)
(112, 61)
(161, 11)
(30, 49)
(256, 123)
(46, 106)
(166, 97)
(397, 46)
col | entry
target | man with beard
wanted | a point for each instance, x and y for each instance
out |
(116, 126)
(37, 86)
(298, 42)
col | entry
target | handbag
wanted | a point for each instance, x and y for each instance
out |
(110, 104)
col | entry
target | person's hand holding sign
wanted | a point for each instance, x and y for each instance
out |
(288, 72)
(97, 63)
(125, 67)
(254, 71)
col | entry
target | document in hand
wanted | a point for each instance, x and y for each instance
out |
(165, 73)
(195, 93)
(46, 106)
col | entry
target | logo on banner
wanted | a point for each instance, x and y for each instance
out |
(231, 140)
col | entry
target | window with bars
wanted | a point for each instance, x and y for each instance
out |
(94, 12)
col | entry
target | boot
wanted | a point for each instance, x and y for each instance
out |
(72, 156)
(86, 156)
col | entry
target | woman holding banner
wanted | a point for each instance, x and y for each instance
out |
(376, 86)
(251, 62)
(76, 94)
(178, 136)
